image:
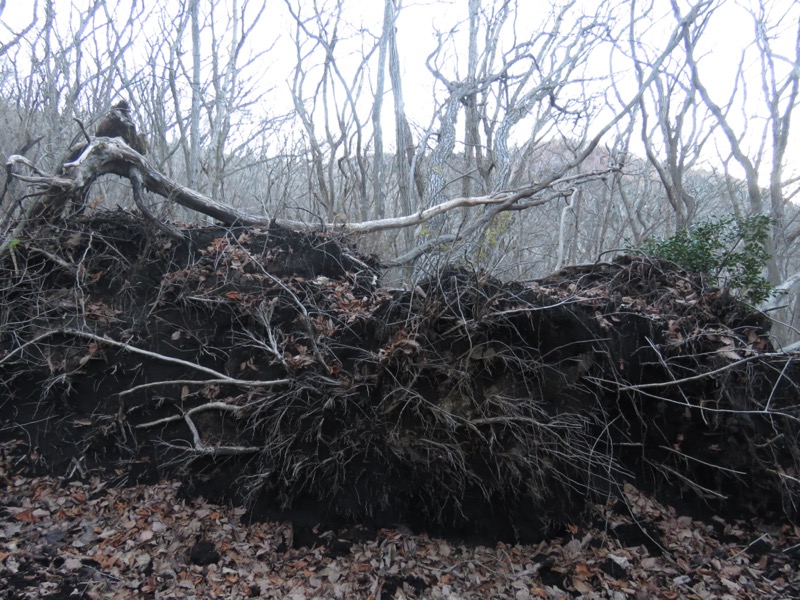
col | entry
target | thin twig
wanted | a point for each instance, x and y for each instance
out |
(83, 129)
(661, 384)
(126, 346)
(237, 382)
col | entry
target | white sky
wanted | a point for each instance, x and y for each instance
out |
(721, 48)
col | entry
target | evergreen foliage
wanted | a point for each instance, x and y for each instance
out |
(731, 251)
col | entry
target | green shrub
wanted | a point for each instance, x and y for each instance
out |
(731, 251)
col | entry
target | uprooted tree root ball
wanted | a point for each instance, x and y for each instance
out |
(270, 366)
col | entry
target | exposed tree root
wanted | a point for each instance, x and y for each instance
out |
(269, 363)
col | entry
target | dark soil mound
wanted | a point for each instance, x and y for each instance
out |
(267, 366)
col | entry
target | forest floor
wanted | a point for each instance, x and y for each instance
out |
(63, 538)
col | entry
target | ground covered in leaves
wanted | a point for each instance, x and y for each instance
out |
(85, 539)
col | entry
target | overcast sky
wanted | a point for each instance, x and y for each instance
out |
(721, 47)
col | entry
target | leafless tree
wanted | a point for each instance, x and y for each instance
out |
(780, 79)
(339, 158)
(679, 120)
(17, 36)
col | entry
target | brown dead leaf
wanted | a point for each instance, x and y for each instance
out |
(298, 564)
(582, 586)
(573, 529)
(26, 516)
(331, 572)
(73, 241)
(602, 321)
(218, 244)
(146, 535)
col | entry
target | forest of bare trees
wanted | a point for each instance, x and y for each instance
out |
(540, 137)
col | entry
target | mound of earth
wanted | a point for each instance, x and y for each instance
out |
(268, 367)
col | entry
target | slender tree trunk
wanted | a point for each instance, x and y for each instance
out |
(193, 168)
(470, 100)
(377, 106)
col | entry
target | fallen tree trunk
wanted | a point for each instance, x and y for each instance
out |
(104, 156)
(268, 364)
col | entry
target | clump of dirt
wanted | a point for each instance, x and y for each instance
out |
(268, 366)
